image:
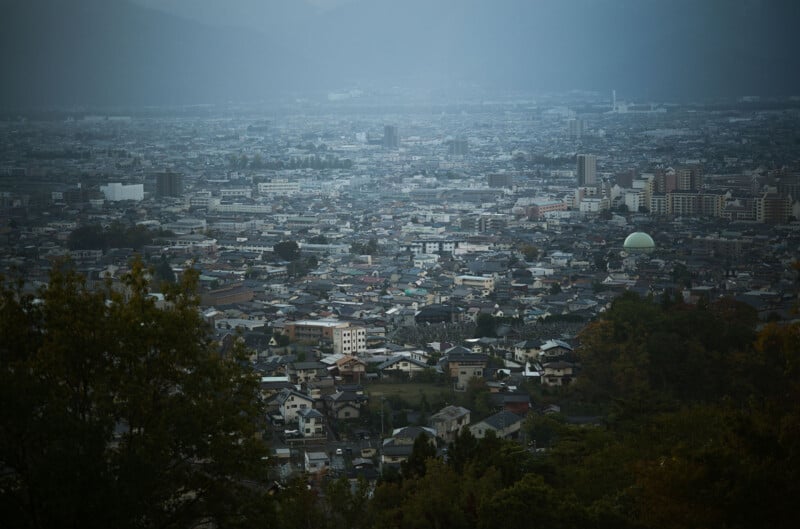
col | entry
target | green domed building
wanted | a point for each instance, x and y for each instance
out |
(640, 242)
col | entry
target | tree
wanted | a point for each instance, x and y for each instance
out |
(370, 248)
(163, 273)
(485, 326)
(531, 499)
(529, 252)
(414, 466)
(287, 250)
(89, 237)
(463, 449)
(347, 506)
(318, 239)
(116, 413)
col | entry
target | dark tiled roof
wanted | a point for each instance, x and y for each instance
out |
(502, 419)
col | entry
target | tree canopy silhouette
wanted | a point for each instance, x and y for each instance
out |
(117, 412)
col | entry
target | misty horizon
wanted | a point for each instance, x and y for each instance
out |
(177, 52)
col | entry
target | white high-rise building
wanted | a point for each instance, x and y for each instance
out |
(116, 191)
(349, 340)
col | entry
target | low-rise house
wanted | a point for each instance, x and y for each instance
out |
(272, 385)
(448, 421)
(526, 350)
(300, 372)
(463, 365)
(504, 424)
(558, 373)
(290, 402)
(316, 462)
(397, 448)
(345, 405)
(515, 401)
(403, 366)
(554, 350)
(311, 423)
(351, 369)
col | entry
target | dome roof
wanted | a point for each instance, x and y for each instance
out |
(640, 241)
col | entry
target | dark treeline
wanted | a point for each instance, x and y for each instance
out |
(295, 162)
(116, 235)
(114, 412)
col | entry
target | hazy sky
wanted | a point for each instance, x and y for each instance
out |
(153, 51)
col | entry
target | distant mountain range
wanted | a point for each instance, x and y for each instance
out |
(113, 52)
(117, 52)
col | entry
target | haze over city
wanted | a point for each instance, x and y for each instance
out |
(373, 264)
(129, 52)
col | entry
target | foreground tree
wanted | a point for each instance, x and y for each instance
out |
(117, 413)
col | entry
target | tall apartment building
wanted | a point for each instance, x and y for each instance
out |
(169, 184)
(689, 178)
(691, 203)
(576, 128)
(586, 170)
(391, 138)
(349, 340)
(458, 147)
(773, 208)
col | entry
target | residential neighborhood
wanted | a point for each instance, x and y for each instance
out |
(389, 290)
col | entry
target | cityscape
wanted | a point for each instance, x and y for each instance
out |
(340, 307)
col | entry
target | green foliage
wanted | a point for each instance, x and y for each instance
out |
(368, 248)
(347, 506)
(94, 237)
(115, 413)
(299, 507)
(301, 267)
(704, 433)
(282, 339)
(529, 252)
(318, 239)
(424, 449)
(287, 250)
(704, 430)
(485, 325)
(528, 500)
(162, 272)
(463, 449)
(477, 398)
(666, 351)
